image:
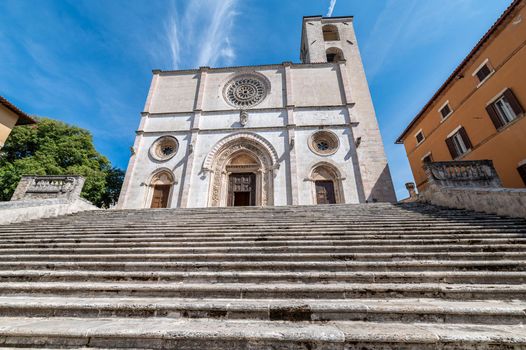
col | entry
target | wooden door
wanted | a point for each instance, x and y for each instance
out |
(160, 196)
(242, 189)
(325, 192)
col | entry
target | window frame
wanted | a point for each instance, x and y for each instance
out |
(427, 155)
(420, 132)
(497, 115)
(448, 105)
(458, 142)
(487, 63)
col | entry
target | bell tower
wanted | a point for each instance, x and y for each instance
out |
(326, 39)
(331, 40)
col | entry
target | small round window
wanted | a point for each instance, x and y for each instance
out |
(164, 148)
(324, 143)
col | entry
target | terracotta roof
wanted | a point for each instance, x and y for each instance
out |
(23, 118)
(477, 47)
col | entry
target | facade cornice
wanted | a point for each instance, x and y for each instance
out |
(231, 68)
(236, 110)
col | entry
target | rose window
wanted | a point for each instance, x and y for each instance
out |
(324, 143)
(164, 148)
(245, 91)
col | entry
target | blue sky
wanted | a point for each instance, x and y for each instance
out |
(89, 62)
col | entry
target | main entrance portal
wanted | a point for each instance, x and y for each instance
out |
(242, 189)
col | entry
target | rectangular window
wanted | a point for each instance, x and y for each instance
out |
(445, 111)
(427, 159)
(419, 137)
(483, 73)
(522, 172)
(459, 143)
(504, 109)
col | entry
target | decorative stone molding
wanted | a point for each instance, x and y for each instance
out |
(471, 173)
(51, 186)
(239, 137)
(243, 117)
(246, 89)
(225, 150)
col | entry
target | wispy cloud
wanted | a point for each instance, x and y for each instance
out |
(331, 8)
(200, 34)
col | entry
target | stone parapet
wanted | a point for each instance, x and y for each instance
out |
(500, 201)
(473, 173)
(39, 197)
(50, 186)
(471, 185)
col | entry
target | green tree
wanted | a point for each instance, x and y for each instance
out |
(51, 147)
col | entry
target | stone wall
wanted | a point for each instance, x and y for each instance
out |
(471, 185)
(44, 196)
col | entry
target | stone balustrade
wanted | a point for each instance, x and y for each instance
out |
(38, 197)
(476, 173)
(472, 185)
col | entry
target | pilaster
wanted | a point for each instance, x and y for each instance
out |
(188, 170)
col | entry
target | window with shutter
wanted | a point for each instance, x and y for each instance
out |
(459, 143)
(505, 109)
(522, 172)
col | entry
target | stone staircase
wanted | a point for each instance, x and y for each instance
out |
(375, 276)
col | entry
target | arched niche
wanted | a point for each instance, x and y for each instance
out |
(235, 155)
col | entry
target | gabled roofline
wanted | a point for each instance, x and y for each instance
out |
(23, 118)
(461, 66)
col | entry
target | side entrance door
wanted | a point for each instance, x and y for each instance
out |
(242, 190)
(325, 192)
(160, 196)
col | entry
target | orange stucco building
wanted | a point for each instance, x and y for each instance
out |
(478, 113)
(11, 116)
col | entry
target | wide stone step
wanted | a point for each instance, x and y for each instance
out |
(263, 234)
(371, 310)
(284, 256)
(276, 249)
(261, 242)
(321, 266)
(166, 333)
(462, 277)
(270, 290)
(246, 223)
(335, 238)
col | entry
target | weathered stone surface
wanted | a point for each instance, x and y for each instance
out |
(375, 276)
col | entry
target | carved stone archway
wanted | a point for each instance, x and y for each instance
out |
(325, 171)
(161, 178)
(218, 160)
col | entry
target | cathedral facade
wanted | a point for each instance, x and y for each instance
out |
(270, 135)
